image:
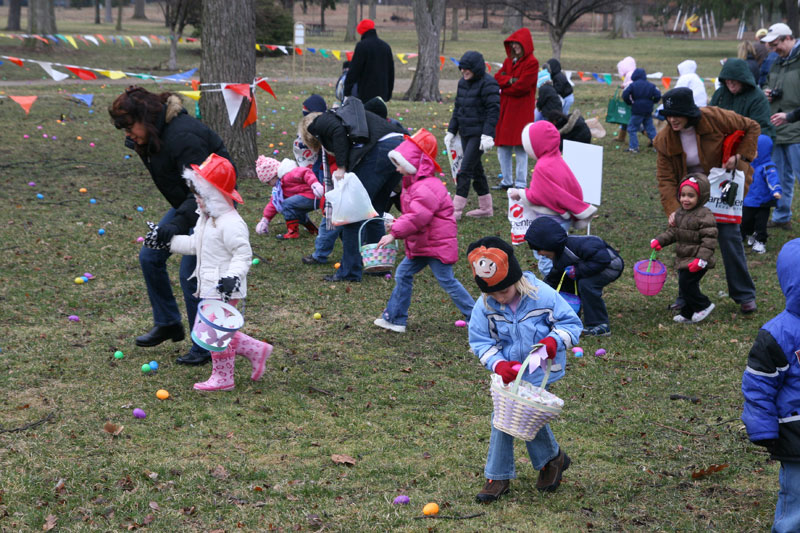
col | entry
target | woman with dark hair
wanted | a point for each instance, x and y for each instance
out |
(167, 140)
(693, 142)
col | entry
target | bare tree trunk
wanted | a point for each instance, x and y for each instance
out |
(109, 13)
(512, 20)
(625, 22)
(605, 22)
(229, 56)
(485, 23)
(428, 19)
(454, 30)
(791, 14)
(41, 17)
(305, 7)
(119, 16)
(138, 10)
(556, 40)
(373, 10)
(97, 11)
(14, 15)
(322, 17)
(174, 37)
(352, 16)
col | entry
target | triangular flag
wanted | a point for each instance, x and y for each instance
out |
(130, 41)
(488, 67)
(62, 37)
(337, 54)
(233, 101)
(286, 52)
(113, 74)
(606, 77)
(252, 114)
(45, 41)
(195, 85)
(155, 38)
(454, 60)
(597, 77)
(53, 73)
(271, 47)
(402, 58)
(71, 41)
(312, 50)
(441, 62)
(85, 98)
(100, 37)
(194, 95)
(241, 88)
(14, 60)
(146, 40)
(666, 81)
(84, 41)
(258, 47)
(82, 73)
(182, 76)
(262, 83)
(52, 38)
(298, 51)
(349, 55)
(323, 53)
(412, 56)
(25, 102)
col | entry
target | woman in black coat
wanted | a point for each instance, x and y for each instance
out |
(167, 140)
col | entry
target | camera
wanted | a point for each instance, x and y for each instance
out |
(776, 94)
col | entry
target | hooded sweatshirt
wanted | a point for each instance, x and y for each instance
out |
(560, 82)
(553, 185)
(641, 94)
(687, 70)
(765, 177)
(477, 105)
(695, 230)
(771, 381)
(517, 82)
(427, 224)
(625, 69)
(750, 102)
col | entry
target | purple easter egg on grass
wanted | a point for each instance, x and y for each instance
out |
(600, 353)
(402, 500)
(139, 413)
(73, 318)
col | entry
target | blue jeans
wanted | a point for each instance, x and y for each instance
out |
(500, 462)
(159, 289)
(397, 308)
(297, 208)
(379, 176)
(787, 511)
(325, 241)
(787, 161)
(591, 292)
(635, 123)
(506, 166)
(568, 101)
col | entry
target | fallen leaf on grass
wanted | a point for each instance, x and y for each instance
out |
(189, 511)
(49, 522)
(340, 459)
(113, 428)
(707, 471)
(154, 506)
(219, 472)
(148, 519)
(60, 486)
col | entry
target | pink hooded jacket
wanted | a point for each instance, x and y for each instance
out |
(625, 69)
(553, 185)
(427, 223)
(294, 182)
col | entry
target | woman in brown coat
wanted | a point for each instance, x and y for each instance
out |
(693, 142)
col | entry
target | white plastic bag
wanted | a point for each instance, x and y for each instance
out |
(723, 211)
(349, 201)
(520, 216)
(455, 155)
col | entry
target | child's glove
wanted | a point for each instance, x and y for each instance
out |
(487, 143)
(570, 272)
(153, 239)
(697, 265)
(551, 345)
(317, 189)
(448, 139)
(655, 245)
(227, 286)
(262, 228)
(504, 370)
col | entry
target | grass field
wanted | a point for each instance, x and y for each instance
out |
(412, 410)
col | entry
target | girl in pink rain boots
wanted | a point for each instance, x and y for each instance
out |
(220, 242)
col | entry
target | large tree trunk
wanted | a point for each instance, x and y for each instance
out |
(791, 15)
(454, 22)
(174, 37)
(512, 20)
(109, 12)
(352, 20)
(322, 17)
(14, 15)
(119, 16)
(485, 23)
(41, 18)
(138, 10)
(428, 19)
(97, 11)
(625, 22)
(229, 44)
(373, 10)
(556, 40)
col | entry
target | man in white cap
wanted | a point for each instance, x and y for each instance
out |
(783, 94)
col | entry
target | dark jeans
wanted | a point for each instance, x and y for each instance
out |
(754, 221)
(471, 169)
(297, 208)
(379, 176)
(740, 285)
(693, 297)
(159, 288)
(591, 292)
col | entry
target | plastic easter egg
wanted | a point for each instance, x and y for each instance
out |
(430, 509)
(401, 500)
(139, 413)
(256, 260)
(127, 156)
(161, 394)
(92, 201)
(73, 318)
(79, 138)
(26, 136)
(600, 353)
(84, 279)
(79, 280)
(337, 265)
(91, 144)
(460, 323)
(153, 365)
(140, 209)
(40, 196)
(101, 231)
(317, 316)
(82, 190)
(146, 368)
(88, 275)
(31, 184)
(118, 355)
(139, 239)
(577, 353)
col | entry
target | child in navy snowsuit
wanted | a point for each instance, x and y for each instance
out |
(763, 195)
(641, 95)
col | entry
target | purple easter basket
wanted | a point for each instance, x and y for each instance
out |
(519, 415)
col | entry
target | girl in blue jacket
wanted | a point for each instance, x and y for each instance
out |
(515, 312)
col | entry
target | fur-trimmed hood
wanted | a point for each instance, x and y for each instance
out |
(216, 204)
(174, 106)
(302, 130)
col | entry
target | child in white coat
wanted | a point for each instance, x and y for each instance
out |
(222, 246)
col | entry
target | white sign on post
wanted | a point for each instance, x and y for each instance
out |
(586, 162)
(299, 34)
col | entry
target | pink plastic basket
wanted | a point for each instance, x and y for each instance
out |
(649, 275)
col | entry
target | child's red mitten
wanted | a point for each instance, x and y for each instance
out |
(551, 345)
(655, 245)
(697, 265)
(504, 370)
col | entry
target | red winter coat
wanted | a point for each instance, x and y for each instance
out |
(517, 82)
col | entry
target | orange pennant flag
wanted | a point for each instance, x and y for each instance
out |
(195, 85)
(82, 73)
(488, 67)
(239, 88)
(298, 51)
(252, 114)
(262, 83)
(99, 36)
(441, 61)
(25, 102)
(666, 81)
(15, 60)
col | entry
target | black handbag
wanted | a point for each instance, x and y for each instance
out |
(354, 119)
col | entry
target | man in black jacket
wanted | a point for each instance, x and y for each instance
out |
(372, 66)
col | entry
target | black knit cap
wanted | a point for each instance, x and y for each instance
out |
(680, 103)
(493, 264)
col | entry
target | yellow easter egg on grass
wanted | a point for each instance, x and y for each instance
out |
(79, 281)
(430, 509)
(317, 316)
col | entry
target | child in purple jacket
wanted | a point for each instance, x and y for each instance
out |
(429, 228)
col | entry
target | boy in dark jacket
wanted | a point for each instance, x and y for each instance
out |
(641, 95)
(587, 259)
(560, 83)
(475, 115)
(762, 196)
(771, 389)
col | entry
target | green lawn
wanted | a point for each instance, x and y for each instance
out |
(411, 410)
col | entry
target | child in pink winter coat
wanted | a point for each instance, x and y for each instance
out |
(429, 228)
(295, 193)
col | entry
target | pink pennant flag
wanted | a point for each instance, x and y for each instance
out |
(25, 102)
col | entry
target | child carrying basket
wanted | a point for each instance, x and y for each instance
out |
(518, 311)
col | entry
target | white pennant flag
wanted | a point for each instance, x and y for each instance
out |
(146, 40)
(53, 73)
(283, 49)
(233, 101)
(91, 39)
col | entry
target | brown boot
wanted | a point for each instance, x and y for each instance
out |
(492, 490)
(550, 476)
(623, 134)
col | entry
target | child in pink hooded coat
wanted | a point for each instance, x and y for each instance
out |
(429, 228)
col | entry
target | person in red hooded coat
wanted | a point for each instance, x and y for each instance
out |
(517, 79)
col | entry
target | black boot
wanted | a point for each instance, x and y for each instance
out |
(159, 334)
(194, 357)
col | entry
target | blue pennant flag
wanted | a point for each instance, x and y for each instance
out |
(85, 98)
(182, 76)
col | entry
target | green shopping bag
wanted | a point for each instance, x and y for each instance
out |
(618, 111)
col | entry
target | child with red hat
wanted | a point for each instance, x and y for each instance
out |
(222, 246)
(428, 227)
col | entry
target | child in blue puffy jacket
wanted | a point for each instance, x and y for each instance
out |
(763, 195)
(771, 388)
(641, 95)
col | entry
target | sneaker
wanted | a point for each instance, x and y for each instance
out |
(385, 324)
(550, 475)
(700, 315)
(680, 319)
(633, 150)
(492, 490)
(749, 307)
(311, 260)
(780, 225)
(759, 247)
(677, 305)
(601, 330)
(750, 240)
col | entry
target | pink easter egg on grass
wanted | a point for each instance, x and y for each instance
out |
(460, 323)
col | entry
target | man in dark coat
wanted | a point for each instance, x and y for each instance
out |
(372, 66)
